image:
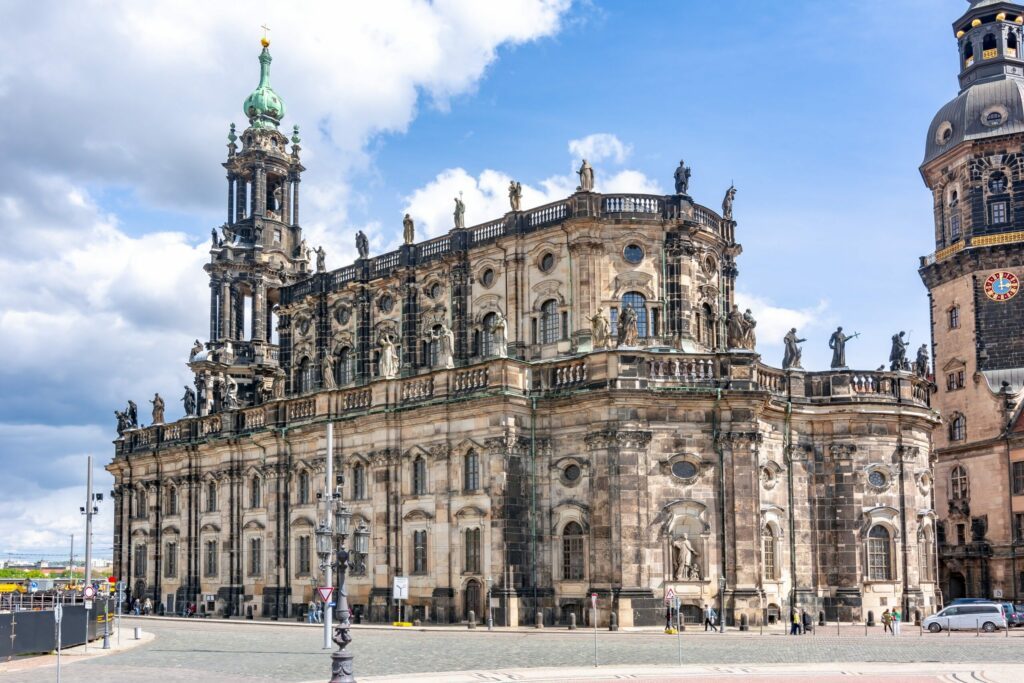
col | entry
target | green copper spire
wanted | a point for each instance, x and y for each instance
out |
(264, 107)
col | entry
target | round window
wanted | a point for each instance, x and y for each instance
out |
(386, 303)
(487, 278)
(342, 315)
(571, 473)
(684, 469)
(633, 253)
(876, 478)
(547, 262)
(435, 291)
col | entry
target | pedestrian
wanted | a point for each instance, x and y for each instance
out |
(319, 612)
(806, 619)
(709, 618)
(136, 607)
(147, 608)
(886, 621)
(896, 619)
(794, 623)
(311, 612)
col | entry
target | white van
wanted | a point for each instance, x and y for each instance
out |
(984, 615)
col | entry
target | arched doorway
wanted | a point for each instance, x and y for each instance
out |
(471, 601)
(957, 587)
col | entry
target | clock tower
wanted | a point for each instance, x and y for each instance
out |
(974, 166)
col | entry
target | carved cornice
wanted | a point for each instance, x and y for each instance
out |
(613, 438)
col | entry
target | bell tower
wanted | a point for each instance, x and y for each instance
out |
(974, 167)
(253, 254)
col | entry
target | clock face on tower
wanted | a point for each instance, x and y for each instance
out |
(1002, 286)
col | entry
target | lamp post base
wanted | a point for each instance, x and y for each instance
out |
(341, 668)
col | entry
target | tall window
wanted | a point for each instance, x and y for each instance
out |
(549, 322)
(255, 493)
(1018, 526)
(958, 483)
(954, 217)
(304, 547)
(419, 476)
(958, 427)
(172, 501)
(955, 380)
(471, 476)
(639, 303)
(211, 496)
(343, 367)
(768, 543)
(303, 491)
(358, 482)
(141, 504)
(306, 370)
(170, 560)
(998, 213)
(472, 551)
(572, 552)
(255, 556)
(434, 346)
(1018, 478)
(954, 318)
(211, 558)
(486, 338)
(879, 554)
(927, 550)
(140, 560)
(419, 552)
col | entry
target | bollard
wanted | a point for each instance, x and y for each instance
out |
(138, 633)
(977, 628)
(472, 619)
(821, 618)
(613, 622)
(540, 620)
(572, 621)
(871, 618)
(744, 623)
(917, 616)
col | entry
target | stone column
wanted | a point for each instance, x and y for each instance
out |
(241, 189)
(258, 308)
(259, 190)
(295, 202)
(237, 313)
(232, 182)
(286, 203)
(225, 310)
(214, 309)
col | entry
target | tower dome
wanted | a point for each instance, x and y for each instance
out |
(263, 106)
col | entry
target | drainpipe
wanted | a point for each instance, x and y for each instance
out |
(715, 434)
(568, 251)
(533, 496)
(905, 602)
(787, 449)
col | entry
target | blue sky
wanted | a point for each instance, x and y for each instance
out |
(816, 111)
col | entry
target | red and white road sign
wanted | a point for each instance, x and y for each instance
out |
(89, 592)
(670, 596)
(593, 600)
(325, 592)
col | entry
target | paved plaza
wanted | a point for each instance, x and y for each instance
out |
(199, 650)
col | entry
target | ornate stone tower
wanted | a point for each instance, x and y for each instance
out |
(256, 252)
(974, 167)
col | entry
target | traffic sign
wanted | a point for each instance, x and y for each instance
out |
(58, 612)
(88, 604)
(593, 600)
(325, 593)
(89, 592)
(670, 596)
(400, 588)
(111, 579)
(33, 586)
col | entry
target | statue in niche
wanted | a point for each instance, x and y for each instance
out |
(921, 363)
(197, 348)
(628, 332)
(327, 371)
(445, 339)
(685, 565)
(599, 329)
(277, 388)
(837, 342)
(730, 195)
(278, 196)
(133, 414)
(460, 213)
(158, 409)
(408, 229)
(586, 174)
(303, 250)
(321, 259)
(230, 393)
(682, 178)
(189, 401)
(362, 245)
(515, 194)
(499, 335)
(791, 357)
(388, 364)
(898, 353)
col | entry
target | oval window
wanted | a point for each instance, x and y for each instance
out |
(547, 262)
(386, 303)
(435, 291)
(571, 473)
(684, 469)
(633, 253)
(343, 315)
(876, 478)
(487, 278)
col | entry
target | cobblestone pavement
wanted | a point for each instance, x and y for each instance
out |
(197, 650)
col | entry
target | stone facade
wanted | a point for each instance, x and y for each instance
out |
(537, 465)
(975, 170)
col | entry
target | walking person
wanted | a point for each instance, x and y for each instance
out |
(806, 619)
(896, 619)
(794, 623)
(709, 618)
(311, 613)
(147, 608)
(886, 621)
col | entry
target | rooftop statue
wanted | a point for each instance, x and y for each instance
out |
(599, 328)
(321, 259)
(898, 353)
(730, 195)
(921, 364)
(682, 177)
(791, 357)
(460, 213)
(499, 335)
(388, 365)
(158, 409)
(189, 401)
(362, 245)
(515, 194)
(586, 174)
(837, 342)
(408, 229)
(628, 332)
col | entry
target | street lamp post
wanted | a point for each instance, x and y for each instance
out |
(721, 601)
(330, 546)
(490, 610)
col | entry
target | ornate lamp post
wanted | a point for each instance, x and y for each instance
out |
(332, 542)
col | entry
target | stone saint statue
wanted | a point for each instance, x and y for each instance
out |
(158, 409)
(197, 348)
(599, 328)
(515, 195)
(189, 400)
(362, 245)
(133, 414)
(898, 354)
(628, 327)
(837, 342)
(327, 371)
(408, 229)
(682, 177)
(321, 259)
(499, 335)
(303, 250)
(730, 195)
(586, 174)
(277, 388)
(388, 364)
(460, 213)
(749, 337)
(445, 339)
(736, 328)
(230, 393)
(921, 364)
(791, 357)
(214, 238)
(685, 559)
(122, 422)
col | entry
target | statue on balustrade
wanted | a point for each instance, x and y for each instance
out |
(277, 388)
(682, 178)
(408, 229)
(740, 329)
(123, 423)
(837, 342)
(189, 401)
(362, 245)
(586, 174)
(599, 328)
(730, 195)
(214, 238)
(685, 566)
(460, 213)
(158, 409)
(321, 259)
(515, 195)
(388, 363)
(230, 393)
(921, 364)
(197, 348)
(133, 414)
(628, 332)
(445, 340)
(898, 353)
(749, 337)
(791, 357)
(327, 371)
(499, 335)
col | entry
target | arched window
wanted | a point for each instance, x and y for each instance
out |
(926, 550)
(419, 476)
(486, 338)
(997, 183)
(255, 493)
(472, 551)
(434, 346)
(954, 217)
(988, 46)
(303, 488)
(879, 554)
(419, 552)
(471, 473)
(358, 482)
(141, 510)
(768, 548)
(572, 552)
(706, 327)
(211, 496)
(549, 322)
(305, 376)
(639, 303)
(959, 486)
(968, 53)
(172, 500)
(343, 367)
(958, 427)
(255, 556)
(1011, 44)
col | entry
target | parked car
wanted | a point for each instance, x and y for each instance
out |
(967, 601)
(987, 616)
(1014, 616)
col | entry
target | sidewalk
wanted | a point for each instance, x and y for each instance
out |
(79, 652)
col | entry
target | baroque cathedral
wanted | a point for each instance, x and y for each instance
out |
(561, 402)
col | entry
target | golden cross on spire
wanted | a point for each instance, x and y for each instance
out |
(265, 41)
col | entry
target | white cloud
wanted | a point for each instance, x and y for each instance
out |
(598, 147)
(773, 322)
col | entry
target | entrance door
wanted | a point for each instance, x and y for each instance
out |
(957, 587)
(472, 599)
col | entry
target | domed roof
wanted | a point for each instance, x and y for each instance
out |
(263, 106)
(984, 110)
